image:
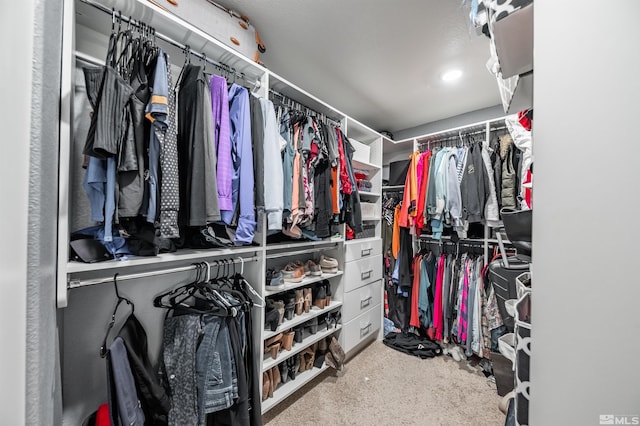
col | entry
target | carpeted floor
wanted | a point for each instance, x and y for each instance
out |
(381, 386)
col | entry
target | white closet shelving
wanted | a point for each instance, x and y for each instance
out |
(84, 290)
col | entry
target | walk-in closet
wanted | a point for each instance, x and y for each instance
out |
(229, 212)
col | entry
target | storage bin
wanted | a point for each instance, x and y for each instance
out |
(523, 284)
(369, 211)
(507, 346)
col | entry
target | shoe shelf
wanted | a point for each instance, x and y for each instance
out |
(299, 347)
(299, 319)
(286, 389)
(305, 282)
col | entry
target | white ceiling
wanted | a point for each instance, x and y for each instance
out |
(378, 61)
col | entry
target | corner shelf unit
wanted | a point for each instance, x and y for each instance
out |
(86, 292)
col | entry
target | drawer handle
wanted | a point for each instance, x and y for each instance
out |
(365, 330)
(366, 275)
(366, 302)
(365, 252)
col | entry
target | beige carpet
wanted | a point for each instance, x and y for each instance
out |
(381, 386)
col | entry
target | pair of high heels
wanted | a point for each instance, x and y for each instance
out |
(280, 341)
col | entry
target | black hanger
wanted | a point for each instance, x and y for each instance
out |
(187, 61)
(103, 347)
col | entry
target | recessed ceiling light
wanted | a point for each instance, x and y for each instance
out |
(452, 75)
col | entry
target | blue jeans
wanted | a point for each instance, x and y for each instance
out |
(215, 367)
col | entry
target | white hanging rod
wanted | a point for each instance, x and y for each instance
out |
(75, 283)
(167, 39)
(457, 136)
(287, 101)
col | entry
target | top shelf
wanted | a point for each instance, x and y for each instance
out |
(361, 132)
(168, 25)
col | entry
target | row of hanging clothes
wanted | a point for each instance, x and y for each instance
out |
(182, 164)
(447, 298)
(205, 373)
(319, 186)
(459, 183)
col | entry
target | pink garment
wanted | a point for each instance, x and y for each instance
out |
(463, 318)
(438, 322)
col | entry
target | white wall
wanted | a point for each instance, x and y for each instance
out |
(586, 300)
(16, 38)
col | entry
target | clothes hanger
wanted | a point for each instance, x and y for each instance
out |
(187, 61)
(103, 347)
(159, 301)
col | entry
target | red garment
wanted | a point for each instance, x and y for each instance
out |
(344, 173)
(438, 322)
(528, 188)
(102, 416)
(525, 121)
(424, 181)
(415, 293)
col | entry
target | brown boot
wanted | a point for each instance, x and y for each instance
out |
(287, 340)
(266, 385)
(275, 378)
(273, 344)
(308, 297)
(337, 353)
(299, 301)
(307, 357)
(270, 382)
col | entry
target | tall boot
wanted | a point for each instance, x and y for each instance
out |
(275, 378)
(266, 385)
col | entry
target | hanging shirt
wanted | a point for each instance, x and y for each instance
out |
(243, 179)
(222, 140)
(196, 150)
(423, 177)
(273, 202)
(437, 304)
(157, 112)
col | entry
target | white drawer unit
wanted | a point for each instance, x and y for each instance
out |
(361, 328)
(361, 250)
(362, 272)
(360, 300)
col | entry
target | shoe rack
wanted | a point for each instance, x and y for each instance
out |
(85, 290)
